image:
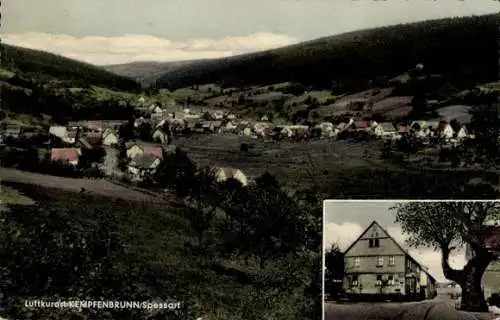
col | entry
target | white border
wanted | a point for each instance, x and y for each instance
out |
(365, 201)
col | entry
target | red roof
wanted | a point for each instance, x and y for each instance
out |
(65, 154)
(362, 124)
(403, 129)
(157, 152)
(492, 237)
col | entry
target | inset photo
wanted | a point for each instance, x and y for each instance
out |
(411, 259)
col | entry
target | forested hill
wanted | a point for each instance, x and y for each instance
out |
(147, 72)
(464, 48)
(42, 66)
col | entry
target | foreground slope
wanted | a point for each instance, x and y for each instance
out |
(462, 48)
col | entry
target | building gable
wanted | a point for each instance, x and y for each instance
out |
(386, 244)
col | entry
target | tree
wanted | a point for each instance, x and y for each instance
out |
(126, 130)
(178, 172)
(145, 131)
(334, 270)
(201, 204)
(486, 126)
(446, 225)
(90, 156)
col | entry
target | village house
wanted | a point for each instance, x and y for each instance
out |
(384, 129)
(157, 116)
(90, 140)
(94, 125)
(376, 265)
(112, 124)
(420, 129)
(260, 128)
(403, 130)
(491, 277)
(179, 115)
(285, 131)
(218, 115)
(444, 130)
(224, 173)
(462, 133)
(71, 136)
(230, 126)
(155, 108)
(134, 149)
(109, 138)
(143, 164)
(58, 131)
(160, 136)
(326, 129)
(67, 155)
(360, 125)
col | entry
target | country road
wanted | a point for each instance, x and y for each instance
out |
(96, 186)
(427, 310)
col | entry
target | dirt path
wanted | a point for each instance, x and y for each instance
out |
(96, 186)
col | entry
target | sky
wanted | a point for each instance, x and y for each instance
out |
(345, 221)
(120, 31)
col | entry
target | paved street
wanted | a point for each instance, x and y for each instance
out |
(437, 309)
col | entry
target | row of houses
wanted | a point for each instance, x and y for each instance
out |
(143, 160)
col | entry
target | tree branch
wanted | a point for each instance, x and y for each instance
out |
(449, 272)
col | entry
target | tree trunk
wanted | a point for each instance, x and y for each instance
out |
(472, 293)
(469, 278)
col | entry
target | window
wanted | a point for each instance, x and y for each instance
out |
(371, 243)
(380, 261)
(391, 261)
(379, 281)
(356, 262)
(376, 243)
(354, 281)
(390, 280)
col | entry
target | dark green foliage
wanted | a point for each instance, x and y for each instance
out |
(145, 131)
(91, 156)
(463, 49)
(486, 124)
(46, 66)
(334, 272)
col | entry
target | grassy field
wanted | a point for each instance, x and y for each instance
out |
(340, 168)
(290, 162)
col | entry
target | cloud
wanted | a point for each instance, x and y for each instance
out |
(341, 234)
(132, 47)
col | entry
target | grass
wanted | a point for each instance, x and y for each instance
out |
(9, 196)
(6, 74)
(24, 120)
